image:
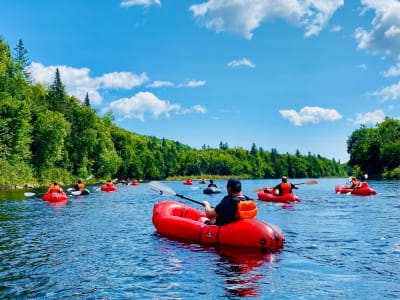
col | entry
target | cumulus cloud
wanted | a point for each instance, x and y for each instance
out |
(369, 118)
(192, 83)
(128, 3)
(385, 33)
(145, 102)
(159, 83)
(391, 92)
(392, 72)
(242, 62)
(310, 115)
(244, 16)
(78, 82)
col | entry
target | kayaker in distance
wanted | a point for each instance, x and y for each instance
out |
(109, 183)
(79, 186)
(363, 183)
(212, 184)
(55, 188)
(128, 181)
(203, 181)
(354, 183)
(232, 207)
(285, 187)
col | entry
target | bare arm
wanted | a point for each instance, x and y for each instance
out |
(210, 211)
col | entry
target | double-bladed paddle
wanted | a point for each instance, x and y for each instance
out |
(307, 182)
(163, 190)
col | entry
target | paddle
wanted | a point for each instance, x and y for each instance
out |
(164, 190)
(307, 182)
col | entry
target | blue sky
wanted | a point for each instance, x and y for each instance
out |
(287, 74)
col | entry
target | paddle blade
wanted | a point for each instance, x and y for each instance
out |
(28, 194)
(76, 193)
(257, 190)
(312, 182)
(70, 189)
(160, 189)
(195, 187)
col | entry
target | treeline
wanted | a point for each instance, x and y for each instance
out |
(47, 135)
(376, 151)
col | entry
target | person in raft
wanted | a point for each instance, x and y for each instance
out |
(354, 183)
(232, 207)
(109, 183)
(55, 188)
(128, 181)
(363, 183)
(212, 184)
(284, 187)
(203, 180)
(79, 186)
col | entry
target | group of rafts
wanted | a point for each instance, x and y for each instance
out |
(184, 222)
(61, 197)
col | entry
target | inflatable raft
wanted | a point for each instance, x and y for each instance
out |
(135, 183)
(366, 191)
(184, 222)
(270, 196)
(187, 182)
(55, 197)
(108, 188)
(211, 190)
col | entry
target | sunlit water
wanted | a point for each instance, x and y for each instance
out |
(105, 246)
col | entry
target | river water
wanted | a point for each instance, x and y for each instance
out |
(105, 246)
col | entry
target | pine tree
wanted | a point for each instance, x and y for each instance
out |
(22, 60)
(87, 101)
(57, 97)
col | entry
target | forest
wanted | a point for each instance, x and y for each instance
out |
(47, 135)
(376, 151)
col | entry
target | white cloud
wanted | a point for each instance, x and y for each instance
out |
(369, 118)
(385, 33)
(196, 108)
(392, 72)
(363, 66)
(128, 3)
(136, 106)
(192, 83)
(310, 115)
(244, 16)
(145, 102)
(388, 93)
(78, 82)
(242, 62)
(159, 83)
(336, 29)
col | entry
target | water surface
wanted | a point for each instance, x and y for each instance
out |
(105, 246)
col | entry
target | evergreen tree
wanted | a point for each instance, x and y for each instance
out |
(87, 101)
(254, 149)
(22, 60)
(57, 97)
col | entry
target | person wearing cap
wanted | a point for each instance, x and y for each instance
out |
(232, 207)
(285, 187)
(363, 183)
(354, 183)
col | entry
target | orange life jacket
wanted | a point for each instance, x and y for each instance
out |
(355, 183)
(364, 184)
(110, 184)
(54, 188)
(286, 187)
(81, 187)
(246, 209)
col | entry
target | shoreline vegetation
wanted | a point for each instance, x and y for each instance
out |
(47, 135)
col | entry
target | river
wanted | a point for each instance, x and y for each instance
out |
(104, 245)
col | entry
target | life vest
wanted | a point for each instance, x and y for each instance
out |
(364, 184)
(54, 188)
(81, 187)
(110, 184)
(354, 184)
(286, 187)
(246, 209)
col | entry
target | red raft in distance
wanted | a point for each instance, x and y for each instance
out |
(263, 196)
(108, 188)
(187, 182)
(365, 191)
(55, 197)
(184, 222)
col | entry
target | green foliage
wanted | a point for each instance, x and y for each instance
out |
(48, 135)
(376, 151)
